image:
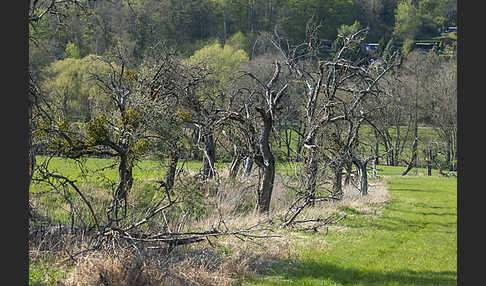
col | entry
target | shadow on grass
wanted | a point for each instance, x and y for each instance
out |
(330, 274)
(412, 190)
(398, 224)
(424, 213)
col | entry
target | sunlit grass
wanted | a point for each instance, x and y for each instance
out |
(413, 242)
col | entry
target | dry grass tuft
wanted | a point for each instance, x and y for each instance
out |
(377, 195)
(127, 268)
(104, 268)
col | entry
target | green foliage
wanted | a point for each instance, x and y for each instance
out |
(97, 130)
(422, 21)
(141, 146)
(239, 41)
(223, 61)
(72, 51)
(347, 30)
(408, 46)
(131, 119)
(434, 12)
(407, 22)
(355, 50)
(296, 14)
(72, 89)
(183, 114)
(42, 273)
(191, 24)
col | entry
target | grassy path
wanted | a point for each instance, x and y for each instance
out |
(412, 242)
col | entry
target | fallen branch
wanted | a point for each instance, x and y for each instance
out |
(324, 222)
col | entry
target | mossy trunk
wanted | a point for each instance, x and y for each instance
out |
(124, 185)
(171, 170)
(337, 185)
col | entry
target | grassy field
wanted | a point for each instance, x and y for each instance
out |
(425, 136)
(412, 242)
(409, 241)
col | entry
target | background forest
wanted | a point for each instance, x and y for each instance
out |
(191, 25)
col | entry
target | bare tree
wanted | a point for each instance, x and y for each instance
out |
(259, 94)
(265, 160)
(394, 112)
(163, 83)
(443, 105)
(202, 107)
(336, 93)
(417, 71)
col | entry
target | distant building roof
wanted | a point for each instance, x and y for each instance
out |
(371, 46)
(425, 45)
(451, 29)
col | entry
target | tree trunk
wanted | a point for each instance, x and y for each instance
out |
(125, 181)
(235, 163)
(31, 155)
(448, 156)
(362, 166)
(412, 162)
(248, 165)
(396, 154)
(300, 143)
(288, 141)
(235, 167)
(387, 141)
(195, 152)
(171, 170)
(349, 168)
(337, 186)
(311, 172)
(265, 188)
(267, 166)
(377, 148)
(209, 156)
(125, 178)
(364, 179)
(375, 173)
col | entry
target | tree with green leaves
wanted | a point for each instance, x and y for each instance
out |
(422, 20)
(69, 82)
(114, 128)
(296, 14)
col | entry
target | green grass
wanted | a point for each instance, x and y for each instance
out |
(383, 170)
(413, 242)
(426, 135)
(145, 169)
(97, 186)
(43, 273)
